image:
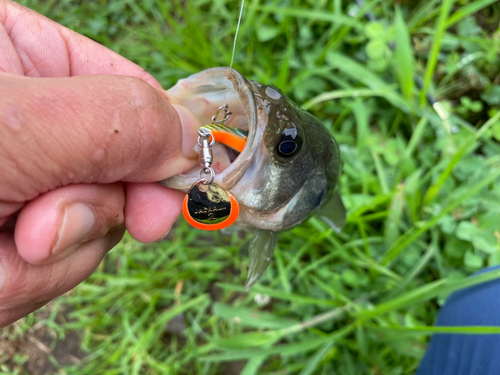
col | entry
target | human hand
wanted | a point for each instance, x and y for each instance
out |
(79, 153)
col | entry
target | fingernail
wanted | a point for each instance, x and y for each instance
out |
(78, 220)
(190, 125)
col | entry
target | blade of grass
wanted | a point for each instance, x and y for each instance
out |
(335, 18)
(425, 11)
(403, 55)
(416, 137)
(251, 318)
(436, 47)
(417, 268)
(419, 330)
(361, 74)
(313, 362)
(382, 176)
(282, 271)
(295, 298)
(467, 10)
(425, 292)
(349, 93)
(283, 350)
(253, 365)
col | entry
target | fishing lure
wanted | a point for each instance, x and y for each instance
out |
(207, 206)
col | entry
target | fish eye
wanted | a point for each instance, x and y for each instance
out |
(289, 143)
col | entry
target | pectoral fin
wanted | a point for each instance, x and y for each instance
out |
(333, 213)
(260, 251)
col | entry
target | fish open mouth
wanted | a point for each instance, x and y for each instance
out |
(203, 94)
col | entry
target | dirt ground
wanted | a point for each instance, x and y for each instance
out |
(37, 351)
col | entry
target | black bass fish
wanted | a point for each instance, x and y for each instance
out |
(287, 170)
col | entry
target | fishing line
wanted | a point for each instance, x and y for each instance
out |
(234, 45)
(207, 205)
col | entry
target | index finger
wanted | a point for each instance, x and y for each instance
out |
(34, 46)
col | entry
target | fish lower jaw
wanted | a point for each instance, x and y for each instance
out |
(267, 221)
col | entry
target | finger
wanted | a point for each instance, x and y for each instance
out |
(151, 210)
(59, 222)
(35, 46)
(24, 287)
(86, 130)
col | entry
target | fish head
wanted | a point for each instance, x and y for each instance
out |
(290, 164)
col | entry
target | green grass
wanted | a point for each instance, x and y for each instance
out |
(420, 182)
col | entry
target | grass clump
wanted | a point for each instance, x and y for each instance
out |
(411, 93)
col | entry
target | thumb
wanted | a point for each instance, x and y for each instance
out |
(88, 129)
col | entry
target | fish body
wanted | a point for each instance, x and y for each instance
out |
(288, 168)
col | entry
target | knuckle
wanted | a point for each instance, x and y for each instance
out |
(154, 124)
(150, 109)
